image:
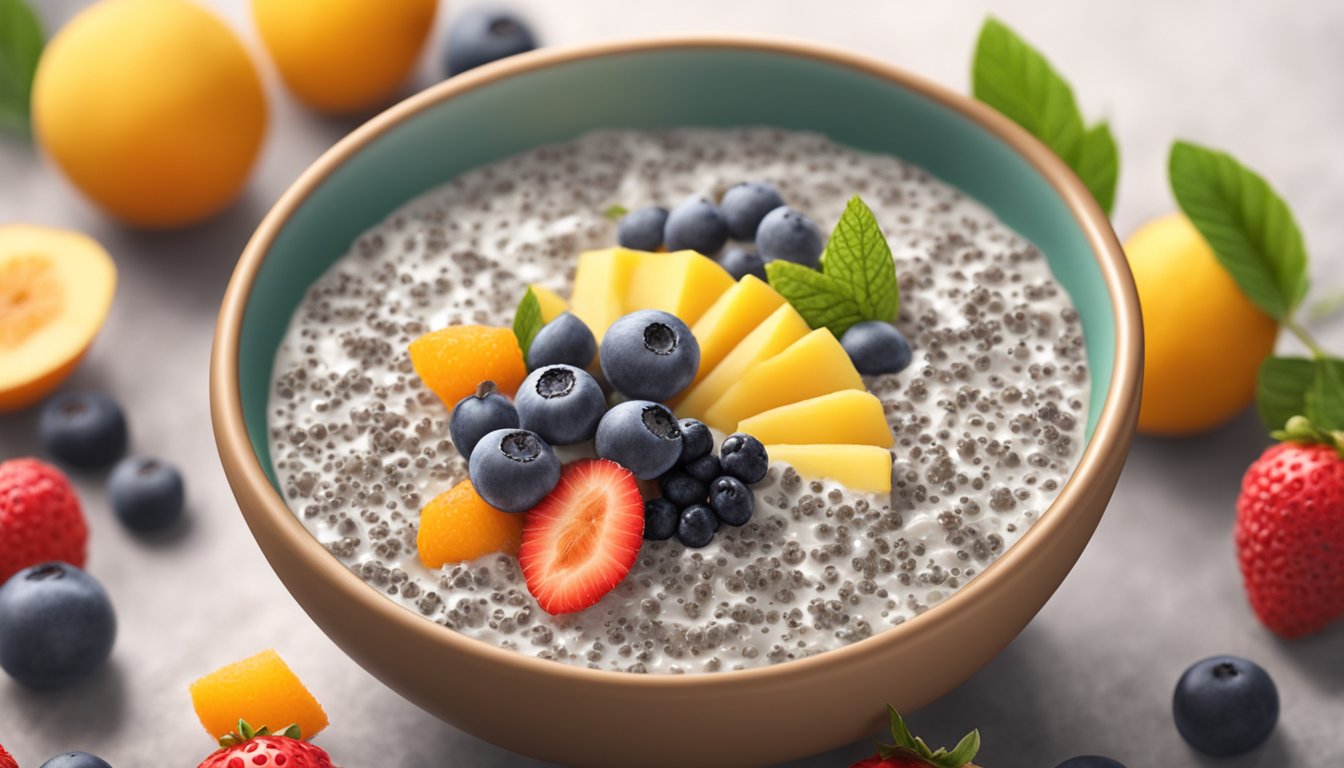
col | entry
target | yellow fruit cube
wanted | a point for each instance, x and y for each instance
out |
(858, 467)
(729, 319)
(814, 365)
(847, 416)
(552, 304)
(453, 361)
(600, 284)
(783, 327)
(261, 690)
(683, 283)
(458, 525)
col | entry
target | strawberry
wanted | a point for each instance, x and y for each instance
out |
(259, 748)
(581, 540)
(6, 761)
(40, 517)
(1290, 531)
(909, 751)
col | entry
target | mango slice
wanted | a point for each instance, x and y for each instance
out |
(729, 319)
(457, 525)
(56, 288)
(783, 327)
(453, 361)
(262, 690)
(847, 416)
(551, 303)
(812, 366)
(683, 283)
(858, 467)
(600, 283)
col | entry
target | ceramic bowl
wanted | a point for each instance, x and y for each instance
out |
(598, 718)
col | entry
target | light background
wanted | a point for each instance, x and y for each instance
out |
(1155, 591)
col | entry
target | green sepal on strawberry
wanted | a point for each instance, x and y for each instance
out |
(909, 751)
(250, 747)
(1290, 530)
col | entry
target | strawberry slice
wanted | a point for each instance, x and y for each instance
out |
(581, 540)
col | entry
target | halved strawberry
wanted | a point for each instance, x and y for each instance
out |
(581, 540)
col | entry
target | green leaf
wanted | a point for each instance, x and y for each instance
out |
(1248, 225)
(1296, 386)
(858, 260)
(1325, 397)
(21, 45)
(964, 752)
(1098, 164)
(818, 298)
(527, 321)
(292, 731)
(1012, 77)
(245, 730)
(900, 733)
(614, 212)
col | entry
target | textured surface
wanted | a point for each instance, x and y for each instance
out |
(1158, 588)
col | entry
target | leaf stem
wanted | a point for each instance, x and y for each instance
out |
(1317, 351)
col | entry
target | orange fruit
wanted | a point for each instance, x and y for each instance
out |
(1203, 339)
(261, 690)
(455, 360)
(458, 525)
(55, 290)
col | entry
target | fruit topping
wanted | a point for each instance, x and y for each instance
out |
(744, 457)
(848, 416)
(641, 436)
(696, 440)
(259, 748)
(682, 489)
(861, 467)
(477, 415)
(57, 625)
(740, 262)
(453, 361)
(788, 235)
(582, 539)
(696, 224)
(732, 500)
(458, 525)
(601, 282)
(705, 469)
(660, 519)
(481, 35)
(259, 689)
(566, 340)
(783, 327)
(1225, 706)
(83, 430)
(562, 404)
(40, 517)
(683, 283)
(730, 318)
(147, 494)
(696, 526)
(650, 355)
(513, 469)
(876, 348)
(549, 302)
(746, 204)
(642, 228)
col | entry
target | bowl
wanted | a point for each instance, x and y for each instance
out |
(600, 718)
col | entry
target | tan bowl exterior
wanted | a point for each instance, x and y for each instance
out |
(754, 717)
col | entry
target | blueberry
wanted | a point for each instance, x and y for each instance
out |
(660, 519)
(561, 403)
(696, 440)
(83, 430)
(482, 35)
(740, 262)
(642, 228)
(789, 235)
(641, 436)
(513, 469)
(876, 348)
(1090, 761)
(731, 500)
(698, 224)
(682, 489)
(1225, 706)
(76, 760)
(56, 625)
(566, 340)
(476, 415)
(697, 525)
(744, 457)
(649, 355)
(147, 494)
(745, 204)
(705, 468)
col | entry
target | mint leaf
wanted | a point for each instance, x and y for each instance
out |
(858, 260)
(1249, 227)
(817, 297)
(527, 321)
(1011, 76)
(615, 212)
(20, 47)
(1296, 386)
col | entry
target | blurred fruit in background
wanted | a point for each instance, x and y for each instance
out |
(344, 56)
(152, 107)
(1203, 339)
(55, 290)
(484, 34)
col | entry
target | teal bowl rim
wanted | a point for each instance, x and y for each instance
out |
(263, 507)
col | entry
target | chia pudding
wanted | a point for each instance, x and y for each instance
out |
(988, 421)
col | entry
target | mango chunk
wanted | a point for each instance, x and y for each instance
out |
(262, 690)
(453, 361)
(683, 283)
(457, 525)
(56, 288)
(552, 304)
(814, 365)
(847, 416)
(600, 284)
(729, 319)
(783, 327)
(858, 467)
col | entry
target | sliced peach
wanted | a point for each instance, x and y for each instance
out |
(453, 361)
(55, 290)
(262, 690)
(457, 525)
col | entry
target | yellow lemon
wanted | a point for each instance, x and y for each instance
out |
(152, 107)
(344, 55)
(1203, 339)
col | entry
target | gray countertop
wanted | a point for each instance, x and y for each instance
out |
(1157, 589)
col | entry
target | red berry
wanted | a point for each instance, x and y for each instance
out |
(269, 752)
(1290, 537)
(6, 761)
(40, 517)
(581, 540)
